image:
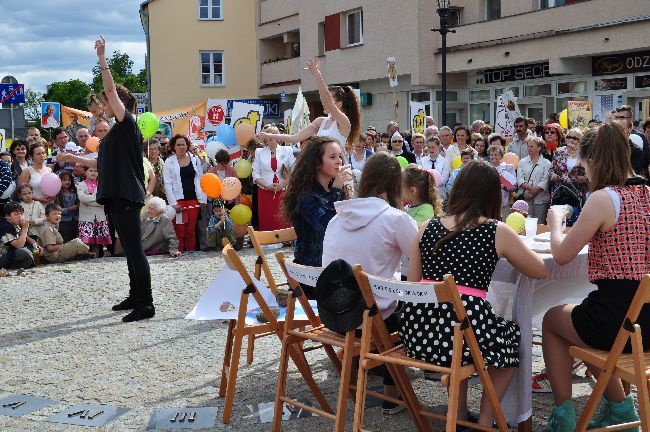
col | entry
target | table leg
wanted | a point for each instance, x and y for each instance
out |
(526, 425)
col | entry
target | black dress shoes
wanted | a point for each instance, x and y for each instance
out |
(140, 313)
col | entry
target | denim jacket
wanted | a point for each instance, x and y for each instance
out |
(316, 211)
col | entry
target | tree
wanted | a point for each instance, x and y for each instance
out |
(71, 93)
(32, 105)
(121, 67)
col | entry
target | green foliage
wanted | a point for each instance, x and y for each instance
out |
(32, 105)
(121, 67)
(71, 93)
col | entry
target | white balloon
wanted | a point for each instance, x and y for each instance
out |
(9, 191)
(213, 147)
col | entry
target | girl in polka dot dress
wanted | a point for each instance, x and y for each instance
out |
(467, 243)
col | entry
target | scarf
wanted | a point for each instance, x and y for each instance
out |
(92, 186)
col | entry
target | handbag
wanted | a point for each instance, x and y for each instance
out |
(521, 196)
(566, 194)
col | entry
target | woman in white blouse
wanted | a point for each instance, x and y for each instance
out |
(434, 160)
(271, 167)
(532, 177)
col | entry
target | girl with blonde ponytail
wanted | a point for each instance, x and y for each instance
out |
(420, 191)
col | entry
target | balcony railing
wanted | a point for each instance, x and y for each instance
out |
(280, 71)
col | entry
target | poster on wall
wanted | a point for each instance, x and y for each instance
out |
(417, 118)
(603, 104)
(579, 113)
(247, 113)
(215, 113)
(507, 112)
(287, 120)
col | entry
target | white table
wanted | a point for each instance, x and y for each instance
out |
(524, 300)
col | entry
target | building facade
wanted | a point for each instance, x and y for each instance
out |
(546, 51)
(199, 49)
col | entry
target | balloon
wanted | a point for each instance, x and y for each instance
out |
(511, 159)
(564, 118)
(402, 161)
(7, 193)
(230, 188)
(92, 144)
(243, 168)
(50, 184)
(241, 214)
(517, 222)
(211, 185)
(213, 147)
(436, 176)
(457, 162)
(226, 135)
(246, 200)
(244, 133)
(148, 124)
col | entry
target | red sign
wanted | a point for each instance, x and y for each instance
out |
(216, 115)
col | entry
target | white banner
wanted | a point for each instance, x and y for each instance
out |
(392, 71)
(215, 113)
(507, 112)
(299, 113)
(247, 113)
(418, 117)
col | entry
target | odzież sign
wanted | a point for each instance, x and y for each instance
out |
(621, 63)
(516, 73)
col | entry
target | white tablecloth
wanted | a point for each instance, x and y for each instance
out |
(524, 300)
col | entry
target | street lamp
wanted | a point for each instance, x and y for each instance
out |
(444, 12)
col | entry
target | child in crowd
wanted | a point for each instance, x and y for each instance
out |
(68, 200)
(521, 207)
(5, 157)
(33, 210)
(419, 190)
(466, 156)
(222, 167)
(14, 250)
(56, 250)
(93, 228)
(220, 226)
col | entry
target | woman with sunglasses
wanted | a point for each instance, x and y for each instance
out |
(552, 136)
(566, 168)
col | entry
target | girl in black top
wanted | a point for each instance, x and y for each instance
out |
(121, 187)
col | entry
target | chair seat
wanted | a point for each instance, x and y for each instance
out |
(323, 335)
(624, 365)
(398, 356)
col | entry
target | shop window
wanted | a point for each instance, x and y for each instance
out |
(479, 111)
(500, 91)
(572, 87)
(610, 84)
(452, 96)
(479, 95)
(537, 90)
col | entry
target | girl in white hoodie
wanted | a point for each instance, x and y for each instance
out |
(373, 231)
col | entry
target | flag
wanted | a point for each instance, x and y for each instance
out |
(299, 114)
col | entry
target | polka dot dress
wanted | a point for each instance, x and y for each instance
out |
(427, 329)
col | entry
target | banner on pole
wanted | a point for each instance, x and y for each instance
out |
(299, 113)
(215, 113)
(507, 112)
(287, 120)
(247, 113)
(418, 117)
(392, 71)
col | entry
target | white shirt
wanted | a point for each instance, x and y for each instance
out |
(454, 151)
(539, 177)
(172, 180)
(262, 163)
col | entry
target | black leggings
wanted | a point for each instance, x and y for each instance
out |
(126, 218)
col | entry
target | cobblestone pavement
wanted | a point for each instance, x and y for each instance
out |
(60, 340)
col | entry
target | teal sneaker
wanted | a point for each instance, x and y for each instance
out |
(562, 418)
(602, 413)
(614, 413)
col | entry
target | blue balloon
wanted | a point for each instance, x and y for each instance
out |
(226, 135)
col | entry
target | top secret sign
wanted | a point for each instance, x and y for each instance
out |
(516, 73)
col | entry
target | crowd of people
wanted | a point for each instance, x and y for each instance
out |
(344, 190)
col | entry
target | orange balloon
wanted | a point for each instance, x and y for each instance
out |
(512, 159)
(230, 188)
(244, 133)
(92, 144)
(245, 199)
(211, 185)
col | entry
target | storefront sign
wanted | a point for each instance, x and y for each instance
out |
(516, 73)
(621, 63)
(610, 84)
(642, 81)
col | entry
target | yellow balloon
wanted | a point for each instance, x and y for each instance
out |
(564, 118)
(241, 214)
(517, 222)
(456, 162)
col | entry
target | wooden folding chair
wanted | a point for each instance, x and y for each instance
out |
(444, 292)
(348, 342)
(628, 367)
(238, 329)
(259, 239)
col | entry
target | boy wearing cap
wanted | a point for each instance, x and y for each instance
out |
(220, 226)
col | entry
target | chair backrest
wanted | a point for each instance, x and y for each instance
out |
(302, 274)
(297, 274)
(412, 292)
(261, 238)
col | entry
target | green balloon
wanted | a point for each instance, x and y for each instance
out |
(402, 161)
(148, 124)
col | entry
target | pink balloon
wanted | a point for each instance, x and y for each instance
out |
(436, 176)
(231, 188)
(50, 184)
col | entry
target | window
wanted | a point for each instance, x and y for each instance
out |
(546, 4)
(493, 9)
(454, 17)
(479, 111)
(212, 68)
(479, 95)
(424, 97)
(452, 96)
(537, 90)
(500, 91)
(321, 39)
(572, 87)
(355, 27)
(210, 10)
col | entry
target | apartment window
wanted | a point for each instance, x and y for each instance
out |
(210, 10)
(354, 21)
(321, 39)
(212, 68)
(454, 17)
(493, 9)
(546, 4)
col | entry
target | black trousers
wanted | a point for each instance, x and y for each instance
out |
(125, 215)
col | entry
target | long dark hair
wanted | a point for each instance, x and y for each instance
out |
(73, 188)
(303, 176)
(382, 174)
(476, 194)
(350, 107)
